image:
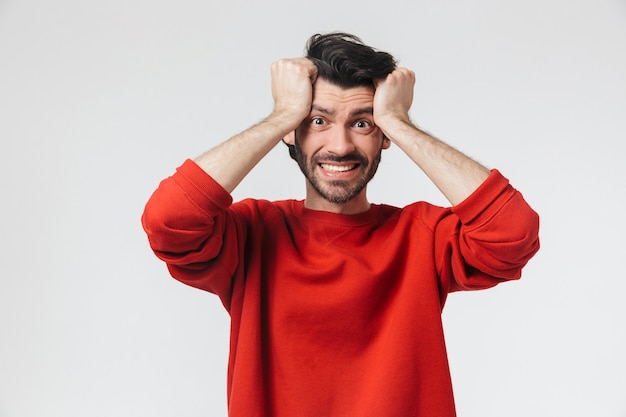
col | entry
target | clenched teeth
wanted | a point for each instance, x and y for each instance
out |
(337, 168)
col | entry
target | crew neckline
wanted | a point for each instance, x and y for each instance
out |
(366, 217)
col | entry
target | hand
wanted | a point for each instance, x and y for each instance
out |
(393, 98)
(292, 89)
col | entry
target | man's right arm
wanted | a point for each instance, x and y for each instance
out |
(186, 219)
(292, 90)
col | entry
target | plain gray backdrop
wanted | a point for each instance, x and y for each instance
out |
(101, 100)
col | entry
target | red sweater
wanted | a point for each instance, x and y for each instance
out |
(337, 315)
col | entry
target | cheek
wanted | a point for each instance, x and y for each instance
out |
(373, 143)
(309, 141)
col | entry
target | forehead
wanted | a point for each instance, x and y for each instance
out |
(329, 95)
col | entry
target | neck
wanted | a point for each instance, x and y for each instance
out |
(358, 204)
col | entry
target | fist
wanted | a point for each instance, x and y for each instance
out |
(394, 96)
(292, 88)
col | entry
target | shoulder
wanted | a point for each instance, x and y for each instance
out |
(416, 216)
(418, 211)
(264, 209)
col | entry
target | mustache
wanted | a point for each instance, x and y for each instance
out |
(351, 157)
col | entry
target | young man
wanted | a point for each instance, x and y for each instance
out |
(335, 303)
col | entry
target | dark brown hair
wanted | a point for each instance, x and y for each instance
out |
(344, 60)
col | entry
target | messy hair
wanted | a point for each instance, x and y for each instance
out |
(344, 60)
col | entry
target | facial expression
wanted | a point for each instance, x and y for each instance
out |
(338, 147)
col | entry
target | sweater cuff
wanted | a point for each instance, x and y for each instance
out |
(483, 197)
(201, 186)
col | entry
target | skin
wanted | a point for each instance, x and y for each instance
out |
(333, 128)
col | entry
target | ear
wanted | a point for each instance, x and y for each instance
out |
(290, 138)
(386, 142)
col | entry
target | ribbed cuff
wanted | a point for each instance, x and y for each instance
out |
(201, 186)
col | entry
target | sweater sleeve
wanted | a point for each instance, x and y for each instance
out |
(189, 228)
(489, 239)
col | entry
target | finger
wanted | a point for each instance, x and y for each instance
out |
(312, 69)
(379, 81)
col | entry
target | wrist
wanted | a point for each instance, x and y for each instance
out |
(393, 126)
(282, 122)
(287, 119)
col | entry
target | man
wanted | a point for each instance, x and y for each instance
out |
(335, 303)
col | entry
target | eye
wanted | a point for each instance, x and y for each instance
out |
(363, 124)
(318, 121)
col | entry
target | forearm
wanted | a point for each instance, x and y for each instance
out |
(229, 162)
(455, 174)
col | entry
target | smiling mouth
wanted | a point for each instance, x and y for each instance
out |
(338, 168)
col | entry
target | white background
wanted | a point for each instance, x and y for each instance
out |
(101, 100)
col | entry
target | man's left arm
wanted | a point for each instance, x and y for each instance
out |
(455, 174)
(494, 232)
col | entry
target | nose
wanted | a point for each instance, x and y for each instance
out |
(339, 141)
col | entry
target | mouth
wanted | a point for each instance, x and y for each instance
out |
(338, 168)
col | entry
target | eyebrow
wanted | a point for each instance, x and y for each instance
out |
(364, 110)
(357, 112)
(321, 109)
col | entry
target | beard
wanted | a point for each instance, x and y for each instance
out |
(337, 191)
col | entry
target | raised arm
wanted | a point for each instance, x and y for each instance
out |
(455, 174)
(229, 162)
